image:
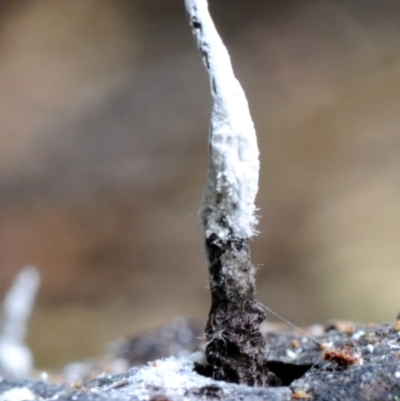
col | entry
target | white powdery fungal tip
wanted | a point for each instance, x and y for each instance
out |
(228, 208)
(15, 357)
(18, 304)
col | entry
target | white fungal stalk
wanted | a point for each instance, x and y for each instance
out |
(228, 207)
(235, 349)
(18, 304)
(15, 357)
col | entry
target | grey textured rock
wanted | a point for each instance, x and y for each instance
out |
(354, 363)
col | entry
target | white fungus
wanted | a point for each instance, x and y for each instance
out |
(18, 394)
(15, 357)
(228, 207)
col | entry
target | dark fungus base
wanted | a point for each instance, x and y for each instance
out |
(235, 349)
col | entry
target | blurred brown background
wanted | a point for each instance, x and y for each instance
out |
(104, 109)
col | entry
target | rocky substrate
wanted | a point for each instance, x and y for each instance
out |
(345, 362)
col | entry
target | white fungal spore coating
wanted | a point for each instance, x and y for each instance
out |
(15, 357)
(228, 208)
(18, 304)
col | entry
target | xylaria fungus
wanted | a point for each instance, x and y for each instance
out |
(15, 356)
(235, 348)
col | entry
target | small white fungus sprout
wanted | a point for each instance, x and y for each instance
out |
(15, 357)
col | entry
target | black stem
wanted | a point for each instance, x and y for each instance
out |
(236, 349)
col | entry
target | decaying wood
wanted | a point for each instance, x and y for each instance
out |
(302, 366)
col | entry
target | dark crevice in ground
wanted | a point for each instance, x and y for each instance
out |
(287, 373)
